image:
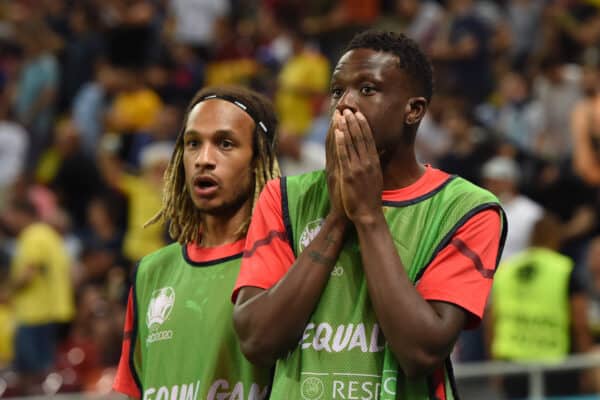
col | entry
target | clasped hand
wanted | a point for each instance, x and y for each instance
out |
(353, 170)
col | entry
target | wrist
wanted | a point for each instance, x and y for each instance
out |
(337, 220)
(370, 220)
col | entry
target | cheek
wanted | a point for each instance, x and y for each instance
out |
(242, 178)
(378, 122)
(241, 174)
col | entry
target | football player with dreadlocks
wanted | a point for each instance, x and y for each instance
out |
(179, 340)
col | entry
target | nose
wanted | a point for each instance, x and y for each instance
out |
(206, 157)
(348, 100)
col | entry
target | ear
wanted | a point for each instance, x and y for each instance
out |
(415, 110)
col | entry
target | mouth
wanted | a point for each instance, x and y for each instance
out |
(205, 185)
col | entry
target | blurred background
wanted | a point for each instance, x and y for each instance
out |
(92, 93)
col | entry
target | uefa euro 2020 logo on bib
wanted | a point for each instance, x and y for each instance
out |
(160, 306)
(311, 230)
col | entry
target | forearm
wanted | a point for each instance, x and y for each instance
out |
(271, 323)
(417, 334)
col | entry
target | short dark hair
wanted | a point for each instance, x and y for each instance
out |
(410, 57)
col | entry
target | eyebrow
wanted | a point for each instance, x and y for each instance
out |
(219, 132)
(359, 76)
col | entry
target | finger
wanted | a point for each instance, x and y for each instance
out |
(334, 120)
(354, 133)
(330, 138)
(350, 137)
(350, 154)
(368, 138)
(342, 150)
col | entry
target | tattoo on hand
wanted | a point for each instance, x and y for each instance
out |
(320, 258)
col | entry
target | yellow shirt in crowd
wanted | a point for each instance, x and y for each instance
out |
(231, 72)
(49, 296)
(7, 331)
(302, 77)
(144, 202)
(135, 111)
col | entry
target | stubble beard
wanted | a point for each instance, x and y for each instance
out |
(227, 207)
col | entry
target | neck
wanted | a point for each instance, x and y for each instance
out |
(402, 169)
(218, 230)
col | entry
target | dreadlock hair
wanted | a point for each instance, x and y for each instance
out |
(411, 58)
(177, 206)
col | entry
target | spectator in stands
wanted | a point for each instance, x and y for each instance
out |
(83, 48)
(519, 117)
(524, 21)
(538, 310)
(131, 31)
(163, 129)
(176, 72)
(143, 194)
(301, 90)
(586, 132)
(302, 85)
(193, 23)
(558, 88)
(434, 139)
(135, 106)
(90, 104)
(463, 46)
(40, 290)
(573, 29)
(501, 176)
(103, 241)
(470, 146)
(418, 19)
(14, 144)
(77, 179)
(37, 88)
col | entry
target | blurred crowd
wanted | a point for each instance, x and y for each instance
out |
(92, 94)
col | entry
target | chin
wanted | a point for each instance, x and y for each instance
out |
(205, 205)
(208, 208)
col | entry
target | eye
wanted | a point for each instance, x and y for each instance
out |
(191, 143)
(226, 144)
(367, 90)
(336, 93)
